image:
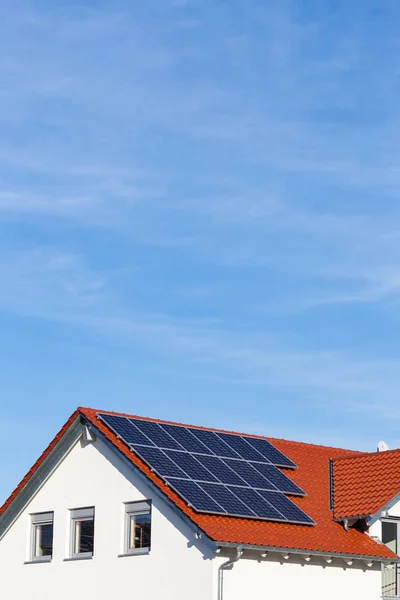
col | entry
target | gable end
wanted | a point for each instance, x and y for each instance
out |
(39, 475)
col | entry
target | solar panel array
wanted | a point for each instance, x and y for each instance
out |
(217, 473)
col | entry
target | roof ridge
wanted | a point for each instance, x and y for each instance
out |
(363, 454)
(255, 435)
(315, 445)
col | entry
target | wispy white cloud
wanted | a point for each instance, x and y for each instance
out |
(40, 282)
(20, 203)
(358, 265)
(58, 287)
(283, 130)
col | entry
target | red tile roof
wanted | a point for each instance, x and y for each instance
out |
(364, 484)
(312, 475)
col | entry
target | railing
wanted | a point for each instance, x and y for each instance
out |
(391, 582)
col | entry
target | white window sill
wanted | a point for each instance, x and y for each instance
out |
(72, 558)
(38, 561)
(136, 552)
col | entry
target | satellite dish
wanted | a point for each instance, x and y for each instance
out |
(383, 447)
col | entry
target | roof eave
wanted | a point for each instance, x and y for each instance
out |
(316, 553)
(351, 518)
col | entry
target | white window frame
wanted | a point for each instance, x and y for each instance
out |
(132, 510)
(394, 566)
(78, 515)
(38, 519)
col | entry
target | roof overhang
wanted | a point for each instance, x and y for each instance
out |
(308, 554)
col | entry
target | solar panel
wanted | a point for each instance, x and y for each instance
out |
(191, 466)
(249, 474)
(217, 473)
(226, 498)
(285, 506)
(242, 447)
(261, 507)
(195, 496)
(156, 435)
(270, 453)
(186, 439)
(221, 470)
(278, 479)
(211, 440)
(159, 462)
(126, 430)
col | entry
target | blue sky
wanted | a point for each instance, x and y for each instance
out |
(199, 217)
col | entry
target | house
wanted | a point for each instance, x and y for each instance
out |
(129, 507)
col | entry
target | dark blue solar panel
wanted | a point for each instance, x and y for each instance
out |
(238, 443)
(228, 500)
(195, 496)
(191, 466)
(184, 437)
(215, 472)
(251, 476)
(282, 483)
(269, 452)
(157, 460)
(221, 470)
(285, 506)
(257, 504)
(215, 443)
(157, 434)
(126, 430)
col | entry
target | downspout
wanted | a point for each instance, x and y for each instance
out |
(221, 569)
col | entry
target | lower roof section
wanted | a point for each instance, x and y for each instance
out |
(364, 484)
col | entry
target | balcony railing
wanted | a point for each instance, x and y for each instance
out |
(391, 582)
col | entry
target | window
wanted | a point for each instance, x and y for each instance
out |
(391, 573)
(42, 537)
(82, 532)
(137, 527)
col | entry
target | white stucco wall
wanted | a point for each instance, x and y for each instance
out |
(175, 569)
(296, 579)
(395, 511)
